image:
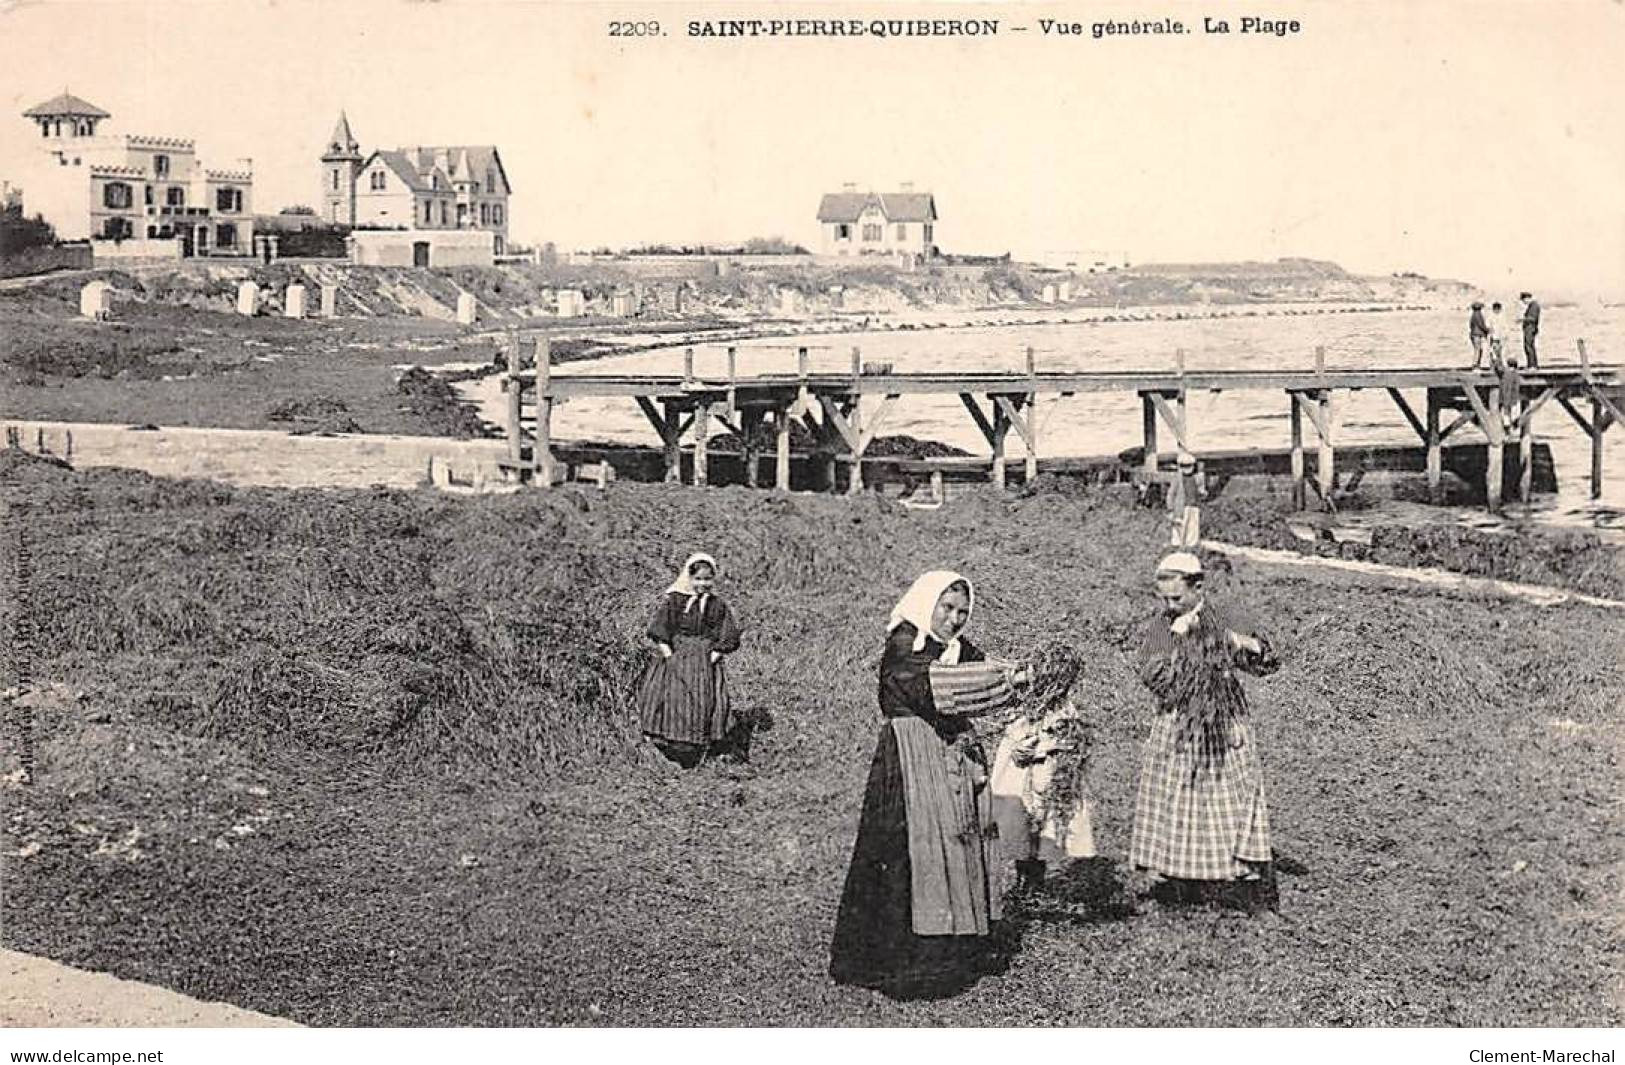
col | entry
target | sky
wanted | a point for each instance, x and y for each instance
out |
(1476, 139)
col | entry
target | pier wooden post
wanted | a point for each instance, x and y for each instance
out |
(1031, 470)
(854, 478)
(702, 435)
(1326, 470)
(1148, 422)
(733, 376)
(1001, 431)
(542, 450)
(1494, 451)
(1523, 418)
(750, 420)
(1298, 500)
(515, 399)
(827, 436)
(1435, 449)
(781, 462)
(1598, 426)
(673, 436)
(688, 365)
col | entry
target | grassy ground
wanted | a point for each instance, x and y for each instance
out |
(366, 759)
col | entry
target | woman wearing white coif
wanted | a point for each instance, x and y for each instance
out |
(683, 704)
(917, 909)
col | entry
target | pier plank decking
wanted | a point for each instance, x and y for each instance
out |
(1501, 408)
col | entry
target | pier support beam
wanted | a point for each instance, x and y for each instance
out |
(1604, 413)
(781, 449)
(750, 422)
(702, 448)
(542, 449)
(843, 417)
(1296, 419)
(995, 430)
(1601, 419)
(515, 387)
(1435, 448)
(1316, 405)
(1326, 468)
(1020, 413)
(668, 423)
(1491, 418)
(1154, 405)
(1148, 428)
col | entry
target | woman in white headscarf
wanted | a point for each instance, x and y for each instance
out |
(683, 704)
(919, 900)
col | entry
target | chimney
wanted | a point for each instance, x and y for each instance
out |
(850, 186)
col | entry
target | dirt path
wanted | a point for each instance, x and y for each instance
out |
(39, 993)
(261, 457)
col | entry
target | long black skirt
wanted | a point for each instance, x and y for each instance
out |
(874, 944)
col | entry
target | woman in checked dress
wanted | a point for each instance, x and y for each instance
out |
(1201, 814)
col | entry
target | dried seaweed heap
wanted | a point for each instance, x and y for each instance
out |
(1197, 682)
(1055, 669)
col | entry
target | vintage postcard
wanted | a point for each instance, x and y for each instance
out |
(538, 516)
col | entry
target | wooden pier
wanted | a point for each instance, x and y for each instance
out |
(1441, 403)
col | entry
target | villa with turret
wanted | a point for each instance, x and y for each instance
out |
(130, 193)
(442, 194)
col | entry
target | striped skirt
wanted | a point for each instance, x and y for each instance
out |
(1213, 824)
(685, 697)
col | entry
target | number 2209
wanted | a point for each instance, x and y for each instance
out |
(634, 29)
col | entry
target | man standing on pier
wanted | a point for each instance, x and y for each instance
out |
(1478, 331)
(1531, 326)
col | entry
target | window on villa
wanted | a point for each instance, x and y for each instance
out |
(335, 179)
(928, 232)
(378, 180)
(902, 231)
(462, 214)
(116, 194)
(225, 236)
(160, 165)
(490, 182)
(175, 196)
(442, 212)
(427, 207)
(117, 228)
(843, 232)
(496, 214)
(485, 214)
(871, 232)
(147, 195)
(228, 200)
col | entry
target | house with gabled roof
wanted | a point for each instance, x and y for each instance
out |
(879, 223)
(433, 188)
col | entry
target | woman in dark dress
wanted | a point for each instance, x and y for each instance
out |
(683, 704)
(919, 901)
